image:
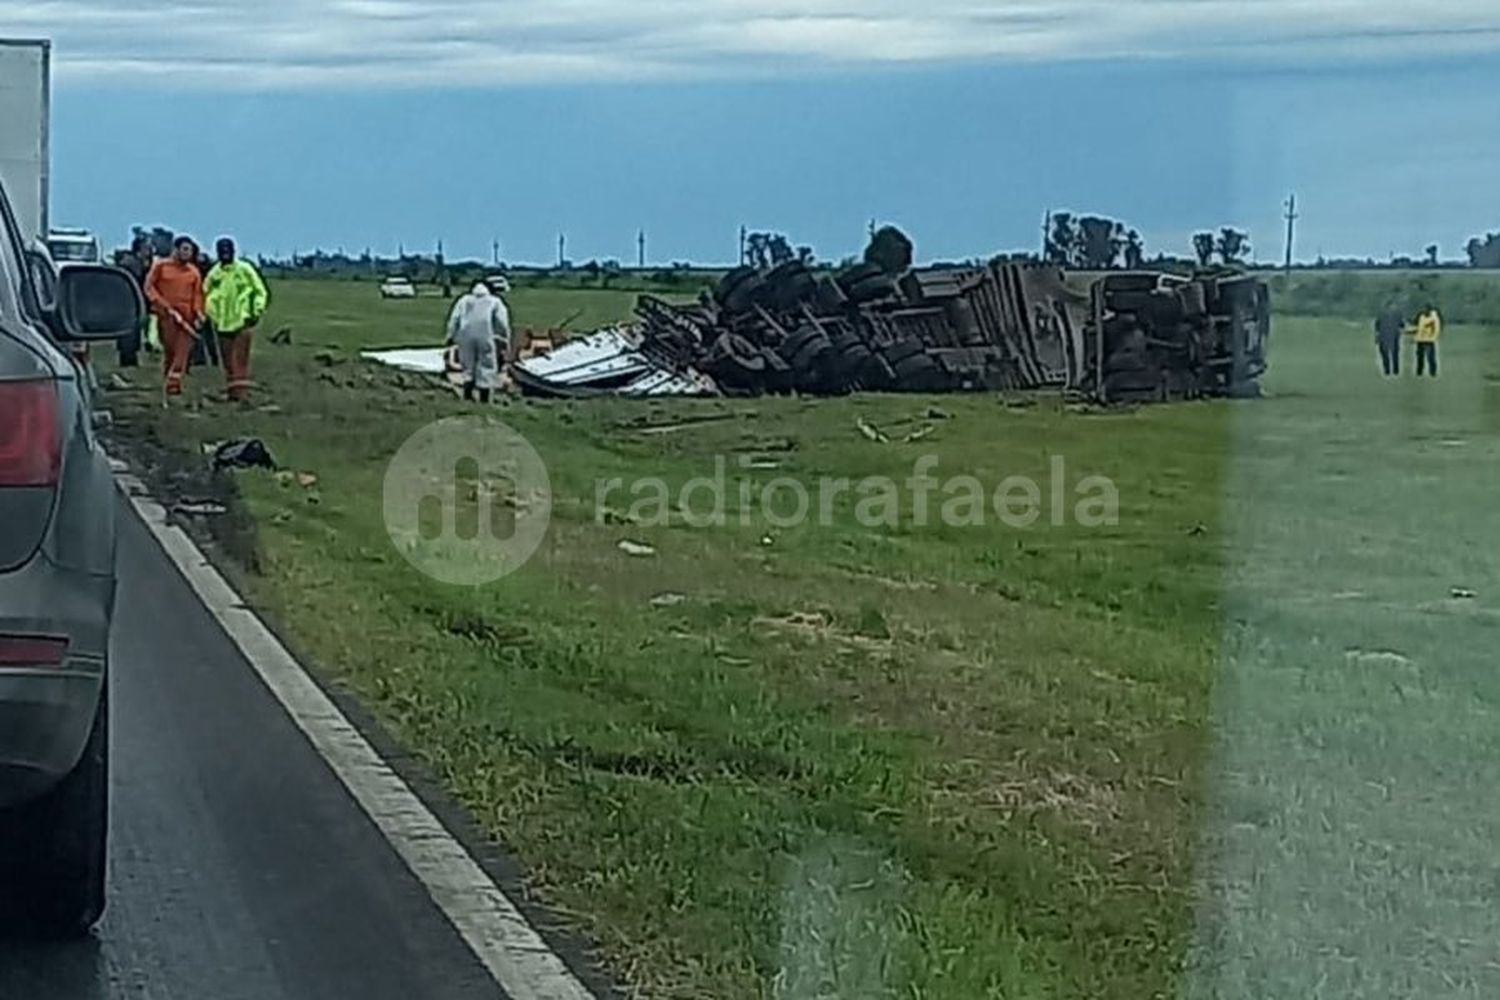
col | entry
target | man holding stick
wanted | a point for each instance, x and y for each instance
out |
(175, 290)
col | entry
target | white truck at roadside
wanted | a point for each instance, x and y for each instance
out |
(74, 246)
(25, 139)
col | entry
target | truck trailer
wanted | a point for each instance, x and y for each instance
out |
(25, 140)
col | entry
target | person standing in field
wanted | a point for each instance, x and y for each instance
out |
(1389, 326)
(479, 326)
(174, 288)
(236, 298)
(1428, 329)
(138, 262)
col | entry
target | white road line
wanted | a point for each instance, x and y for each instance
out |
(494, 929)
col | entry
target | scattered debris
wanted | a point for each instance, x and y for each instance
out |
(1462, 594)
(199, 508)
(614, 361)
(247, 453)
(638, 550)
(326, 358)
(1198, 530)
(654, 430)
(1377, 657)
(767, 541)
(282, 336)
(763, 465)
(668, 600)
(117, 465)
(118, 381)
(872, 432)
(269, 408)
(306, 480)
(921, 435)
(933, 413)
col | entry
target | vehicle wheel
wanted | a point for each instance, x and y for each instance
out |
(54, 848)
(857, 274)
(828, 296)
(900, 351)
(872, 289)
(877, 374)
(918, 373)
(800, 340)
(739, 289)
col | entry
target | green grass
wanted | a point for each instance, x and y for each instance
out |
(916, 762)
(351, 316)
(1462, 296)
(1349, 835)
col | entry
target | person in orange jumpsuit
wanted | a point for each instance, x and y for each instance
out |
(175, 290)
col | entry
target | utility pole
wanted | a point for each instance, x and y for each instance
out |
(495, 253)
(640, 241)
(440, 251)
(744, 235)
(1046, 233)
(1291, 229)
(872, 229)
(562, 248)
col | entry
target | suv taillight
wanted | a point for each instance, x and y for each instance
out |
(30, 446)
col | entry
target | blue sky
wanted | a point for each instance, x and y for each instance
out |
(386, 122)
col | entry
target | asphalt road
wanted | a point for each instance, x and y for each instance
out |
(240, 866)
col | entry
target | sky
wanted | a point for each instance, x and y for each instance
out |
(388, 123)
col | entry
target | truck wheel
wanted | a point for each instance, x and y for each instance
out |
(919, 373)
(53, 849)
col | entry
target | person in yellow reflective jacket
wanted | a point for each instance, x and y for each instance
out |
(236, 299)
(1428, 329)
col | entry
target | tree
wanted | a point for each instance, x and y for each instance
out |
(1432, 255)
(1135, 250)
(805, 255)
(1485, 252)
(1062, 241)
(781, 250)
(1099, 243)
(1233, 245)
(891, 249)
(1203, 247)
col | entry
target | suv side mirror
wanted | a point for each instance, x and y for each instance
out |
(97, 302)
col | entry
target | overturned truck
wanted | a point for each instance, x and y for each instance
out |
(1115, 337)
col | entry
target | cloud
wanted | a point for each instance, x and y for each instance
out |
(402, 43)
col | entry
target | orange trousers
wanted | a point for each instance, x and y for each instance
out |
(234, 348)
(176, 349)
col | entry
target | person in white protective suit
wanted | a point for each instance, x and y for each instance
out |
(479, 327)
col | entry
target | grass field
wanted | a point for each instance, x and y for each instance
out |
(828, 760)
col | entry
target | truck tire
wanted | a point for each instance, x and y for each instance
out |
(919, 373)
(828, 296)
(901, 350)
(53, 850)
(872, 289)
(798, 340)
(877, 374)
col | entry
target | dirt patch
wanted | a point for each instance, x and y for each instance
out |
(184, 482)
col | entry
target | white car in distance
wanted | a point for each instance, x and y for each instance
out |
(398, 288)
